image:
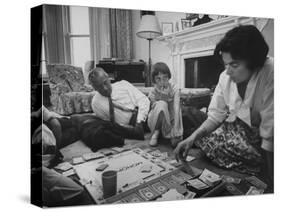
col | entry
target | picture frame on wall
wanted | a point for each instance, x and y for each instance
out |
(167, 28)
(185, 23)
(188, 21)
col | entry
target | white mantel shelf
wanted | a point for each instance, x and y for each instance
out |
(198, 41)
(205, 29)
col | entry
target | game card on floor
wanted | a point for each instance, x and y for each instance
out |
(159, 187)
(147, 193)
(198, 184)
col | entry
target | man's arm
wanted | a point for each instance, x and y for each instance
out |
(143, 105)
(141, 101)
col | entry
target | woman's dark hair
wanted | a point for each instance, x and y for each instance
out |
(160, 68)
(244, 43)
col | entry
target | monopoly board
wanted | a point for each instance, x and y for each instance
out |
(133, 168)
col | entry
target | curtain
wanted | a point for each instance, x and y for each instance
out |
(121, 33)
(54, 34)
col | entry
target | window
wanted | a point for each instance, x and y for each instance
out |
(77, 35)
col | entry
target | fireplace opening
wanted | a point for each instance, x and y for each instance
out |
(202, 72)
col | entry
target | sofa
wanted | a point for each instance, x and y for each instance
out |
(69, 93)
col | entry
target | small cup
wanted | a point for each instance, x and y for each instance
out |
(109, 183)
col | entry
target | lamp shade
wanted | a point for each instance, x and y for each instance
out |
(149, 27)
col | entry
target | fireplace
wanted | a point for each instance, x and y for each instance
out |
(202, 72)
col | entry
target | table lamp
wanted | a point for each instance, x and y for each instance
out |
(149, 29)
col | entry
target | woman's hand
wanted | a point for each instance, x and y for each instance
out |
(183, 148)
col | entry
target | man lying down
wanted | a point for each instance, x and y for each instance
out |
(119, 113)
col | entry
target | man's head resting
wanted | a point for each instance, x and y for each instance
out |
(100, 81)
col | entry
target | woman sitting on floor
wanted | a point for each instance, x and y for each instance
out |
(241, 107)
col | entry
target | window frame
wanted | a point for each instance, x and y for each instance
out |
(68, 35)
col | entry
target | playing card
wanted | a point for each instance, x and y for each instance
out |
(133, 198)
(229, 179)
(68, 173)
(254, 191)
(77, 160)
(256, 182)
(233, 189)
(63, 166)
(197, 184)
(208, 177)
(147, 193)
(159, 187)
(92, 156)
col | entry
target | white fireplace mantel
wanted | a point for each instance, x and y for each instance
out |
(198, 41)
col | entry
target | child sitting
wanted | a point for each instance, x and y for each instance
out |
(165, 116)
